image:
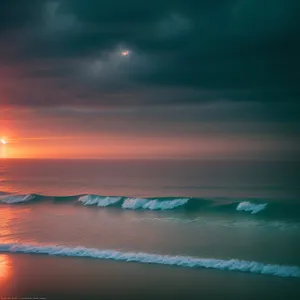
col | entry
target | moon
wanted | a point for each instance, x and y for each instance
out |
(125, 53)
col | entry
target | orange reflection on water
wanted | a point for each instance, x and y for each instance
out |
(9, 233)
(9, 218)
(6, 223)
(5, 185)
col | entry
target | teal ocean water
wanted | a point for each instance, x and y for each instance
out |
(150, 228)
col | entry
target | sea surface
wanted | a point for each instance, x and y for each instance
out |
(149, 229)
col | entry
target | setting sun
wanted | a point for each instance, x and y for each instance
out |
(3, 141)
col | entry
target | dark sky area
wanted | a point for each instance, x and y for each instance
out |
(202, 79)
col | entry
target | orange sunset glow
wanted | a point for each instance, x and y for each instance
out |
(120, 99)
(29, 135)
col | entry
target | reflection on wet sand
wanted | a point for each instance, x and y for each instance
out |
(5, 265)
(5, 270)
(9, 218)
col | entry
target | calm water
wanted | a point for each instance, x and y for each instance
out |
(246, 211)
(151, 178)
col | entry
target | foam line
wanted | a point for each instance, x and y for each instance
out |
(148, 258)
(251, 207)
(101, 201)
(12, 199)
(154, 204)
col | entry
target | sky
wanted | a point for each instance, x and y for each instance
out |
(199, 79)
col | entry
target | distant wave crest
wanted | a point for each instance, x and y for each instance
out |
(251, 207)
(132, 203)
(148, 258)
(155, 204)
(15, 198)
(212, 205)
(101, 201)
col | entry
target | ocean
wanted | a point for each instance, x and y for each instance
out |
(149, 229)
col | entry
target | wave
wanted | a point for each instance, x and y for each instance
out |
(132, 203)
(259, 207)
(251, 207)
(101, 201)
(12, 199)
(155, 204)
(166, 203)
(148, 258)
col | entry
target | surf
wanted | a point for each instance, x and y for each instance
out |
(260, 207)
(158, 259)
(101, 201)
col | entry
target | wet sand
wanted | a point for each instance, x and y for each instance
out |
(35, 276)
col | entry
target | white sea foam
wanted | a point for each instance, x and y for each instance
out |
(140, 203)
(12, 199)
(108, 201)
(141, 257)
(101, 201)
(251, 207)
(87, 200)
(134, 203)
(165, 204)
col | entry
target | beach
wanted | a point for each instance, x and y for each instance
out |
(69, 278)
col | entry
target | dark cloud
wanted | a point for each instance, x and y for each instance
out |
(68, 52)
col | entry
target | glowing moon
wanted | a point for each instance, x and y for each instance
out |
(125, 53)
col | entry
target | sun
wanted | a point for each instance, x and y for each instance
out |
(3, 141)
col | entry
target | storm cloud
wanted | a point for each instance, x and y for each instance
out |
(238, 50)
(227, 69)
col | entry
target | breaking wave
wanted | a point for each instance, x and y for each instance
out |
(148, 258)
(12, 199)
(251, 207)
(155, 204)
(101, 201)
(259, 207)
